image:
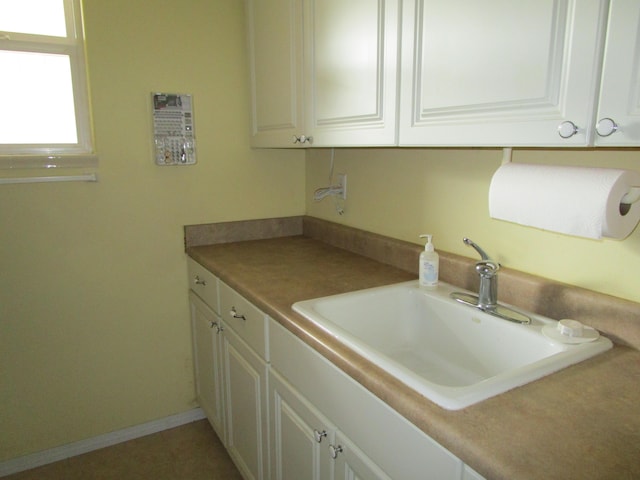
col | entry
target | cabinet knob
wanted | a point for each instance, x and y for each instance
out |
(235, 314)
(567, 129)
(302, 139)
(318, 436)
(606, 126)
(212, 324)
(219, 328)
(199, 282)
(334, 450)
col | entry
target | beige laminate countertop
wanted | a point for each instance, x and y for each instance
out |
(580, 423)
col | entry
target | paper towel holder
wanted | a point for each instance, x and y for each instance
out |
(629, 198)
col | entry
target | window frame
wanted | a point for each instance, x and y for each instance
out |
(81, 153)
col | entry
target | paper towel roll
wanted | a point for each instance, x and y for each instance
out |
(573, 200)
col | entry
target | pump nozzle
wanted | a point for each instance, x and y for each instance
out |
(429, 246)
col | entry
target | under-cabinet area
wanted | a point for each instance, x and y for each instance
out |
(308, 399)
(418, 72)
(290, 413)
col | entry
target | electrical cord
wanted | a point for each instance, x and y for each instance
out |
(322, 193)
(333, 190)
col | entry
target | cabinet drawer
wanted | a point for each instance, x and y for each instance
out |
(204, 284)
(245, 319)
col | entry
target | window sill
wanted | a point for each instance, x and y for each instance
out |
(19, 162)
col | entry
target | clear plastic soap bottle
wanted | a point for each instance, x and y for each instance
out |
(429, 264)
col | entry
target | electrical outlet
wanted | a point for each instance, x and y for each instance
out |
(342, 181)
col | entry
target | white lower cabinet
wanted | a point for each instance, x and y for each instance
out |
(284, 412)
(305, 444)
(310, 397)
(231, 369)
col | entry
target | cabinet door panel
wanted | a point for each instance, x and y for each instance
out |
(296, 452)
(351, 65)
(620, 89)
(499, 73)
(466, 69)
(275, 52)
(208, 371)
(245, 379)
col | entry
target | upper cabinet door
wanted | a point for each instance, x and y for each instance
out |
(276, 61)
(500, 73)
(618, 119)
(351, 70)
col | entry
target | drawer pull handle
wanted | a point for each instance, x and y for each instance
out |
(335, 450)
(235, 314)
(199, 282)
(318, 436)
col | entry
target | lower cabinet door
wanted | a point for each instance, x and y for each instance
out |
(307, 445)
(351, 463)
(207, 358)
(300, 435)
(246, 402)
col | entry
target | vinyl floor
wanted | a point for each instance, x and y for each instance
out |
(189, 452)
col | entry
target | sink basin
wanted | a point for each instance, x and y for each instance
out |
(451, 353)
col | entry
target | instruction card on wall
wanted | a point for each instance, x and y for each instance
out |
(174, 129)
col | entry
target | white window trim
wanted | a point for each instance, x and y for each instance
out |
(80, 154)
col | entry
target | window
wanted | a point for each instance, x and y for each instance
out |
(44, 104)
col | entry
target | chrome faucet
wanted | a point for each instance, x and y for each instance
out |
(487, 298)
(488, 271)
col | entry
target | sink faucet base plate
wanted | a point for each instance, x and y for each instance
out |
(496, 310)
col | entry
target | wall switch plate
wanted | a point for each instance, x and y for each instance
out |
(342, 181)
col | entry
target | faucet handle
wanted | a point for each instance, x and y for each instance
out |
(487, 268)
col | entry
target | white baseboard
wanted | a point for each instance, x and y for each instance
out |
(44, 457)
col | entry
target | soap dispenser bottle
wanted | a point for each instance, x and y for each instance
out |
(429, 264)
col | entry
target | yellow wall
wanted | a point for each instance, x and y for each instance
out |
(94, 327)
(404, 192)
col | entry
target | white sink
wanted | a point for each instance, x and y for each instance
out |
(451, 353)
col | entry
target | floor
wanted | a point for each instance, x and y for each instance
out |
(189, 452)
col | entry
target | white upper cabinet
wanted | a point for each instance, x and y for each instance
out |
(500, 73)
(545, 73)
(351, 67)
(274, 30)
(618, 119)
(323, 72)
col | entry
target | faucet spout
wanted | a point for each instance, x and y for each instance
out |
(483, 254)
